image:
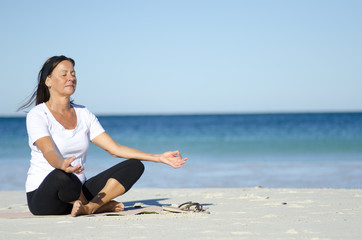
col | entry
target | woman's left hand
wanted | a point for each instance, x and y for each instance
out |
(172, 158)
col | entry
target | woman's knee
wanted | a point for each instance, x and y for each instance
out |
(129, 172)
(137, 166)
(67, 184)
(64, 178)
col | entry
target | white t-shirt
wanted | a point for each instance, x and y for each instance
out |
(75, 142)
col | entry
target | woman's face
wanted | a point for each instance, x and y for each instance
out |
(62, 81)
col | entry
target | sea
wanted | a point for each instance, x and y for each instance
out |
(294, 150)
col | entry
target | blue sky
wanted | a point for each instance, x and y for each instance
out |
(151, 57)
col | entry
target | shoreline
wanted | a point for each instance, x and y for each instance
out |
(235, 213)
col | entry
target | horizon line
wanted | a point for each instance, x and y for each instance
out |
(105, 114)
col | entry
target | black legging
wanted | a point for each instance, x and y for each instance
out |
(59, 188)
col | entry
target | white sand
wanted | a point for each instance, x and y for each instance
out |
(252, 213)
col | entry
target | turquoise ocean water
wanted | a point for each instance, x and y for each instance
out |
(242, 150)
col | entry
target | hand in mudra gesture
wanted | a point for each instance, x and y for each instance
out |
(68, 168)
(172, 158)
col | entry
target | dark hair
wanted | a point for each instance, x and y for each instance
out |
(41, 93)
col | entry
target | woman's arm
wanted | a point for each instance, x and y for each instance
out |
(46, 146)
(172, 158)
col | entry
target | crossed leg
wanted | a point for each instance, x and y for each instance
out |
(106, 186)
(102, 202)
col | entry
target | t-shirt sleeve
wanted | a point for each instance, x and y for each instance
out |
(36, 125)
(95, 127)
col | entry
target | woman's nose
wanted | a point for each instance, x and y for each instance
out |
(72, 78)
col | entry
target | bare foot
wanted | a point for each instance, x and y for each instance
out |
(112, 206)
(79, 209)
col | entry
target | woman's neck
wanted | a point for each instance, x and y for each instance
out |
(59, 105)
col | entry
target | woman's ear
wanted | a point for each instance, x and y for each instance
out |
(48, 82)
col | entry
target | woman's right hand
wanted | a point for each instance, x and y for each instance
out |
(51, 154)
(68, 168)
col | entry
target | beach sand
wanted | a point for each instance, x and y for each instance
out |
(241, 213)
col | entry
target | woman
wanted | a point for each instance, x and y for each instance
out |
(59, 134)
